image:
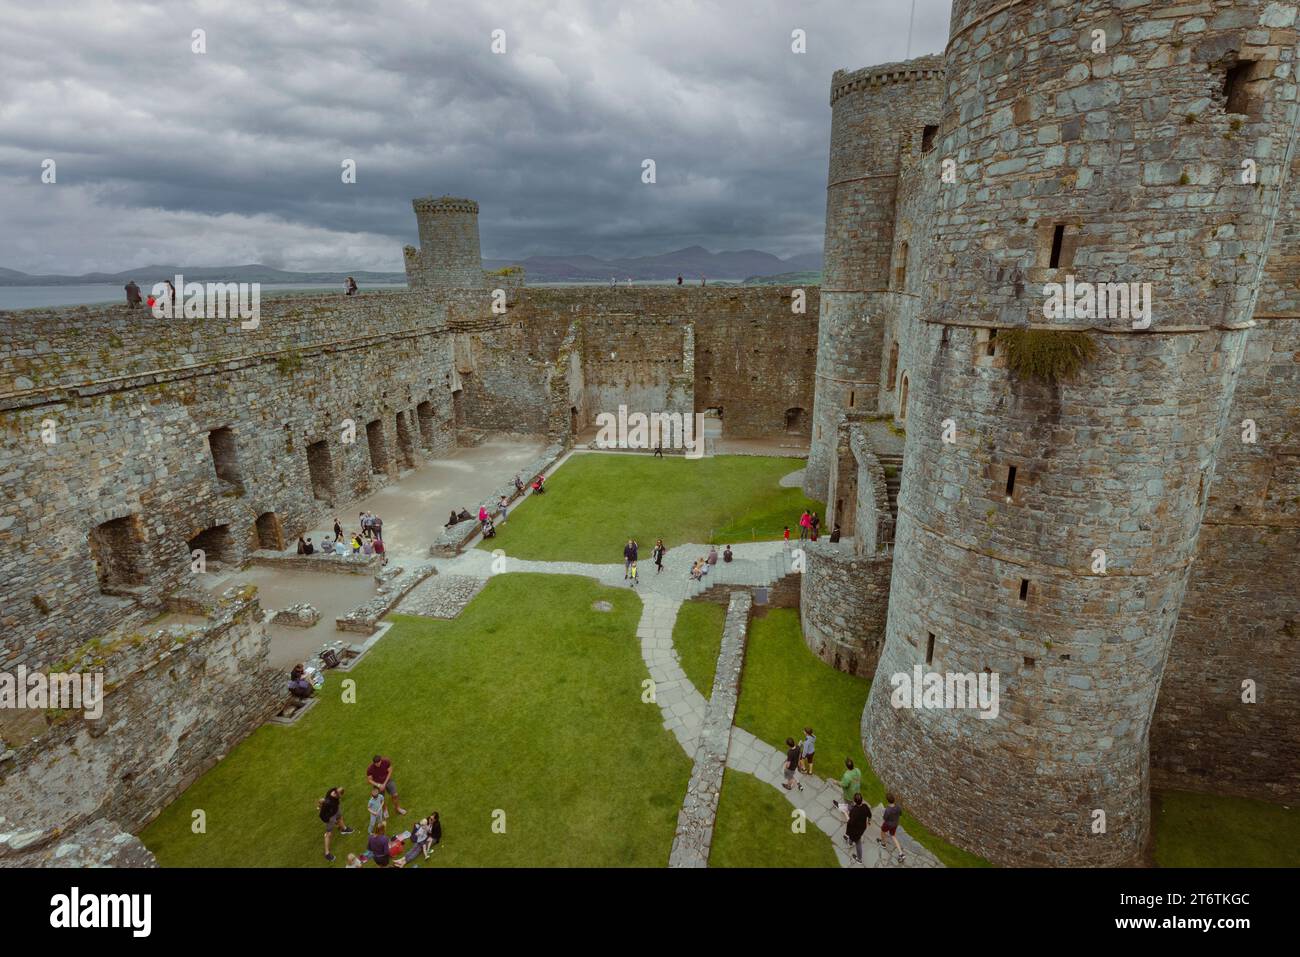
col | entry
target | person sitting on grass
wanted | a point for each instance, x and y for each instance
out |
(299, 686)
(378, 846)
(427, 834)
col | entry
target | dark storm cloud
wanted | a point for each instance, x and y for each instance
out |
(234, 155)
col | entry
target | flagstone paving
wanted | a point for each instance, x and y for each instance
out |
(682, 705)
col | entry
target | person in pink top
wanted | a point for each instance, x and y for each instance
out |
(805, 523)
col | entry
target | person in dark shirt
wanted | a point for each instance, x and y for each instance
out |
(835, 533)
(859, 815)
(791, 764)
(132, 294)
(889, 825)
(380, 775)
(332, 816)
(378, 846)
(629, 556)
(726, 554)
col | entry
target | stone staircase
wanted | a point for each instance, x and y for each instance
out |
(893, 468)
(743, 574)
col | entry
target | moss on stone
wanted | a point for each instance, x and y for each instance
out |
(1048, 354)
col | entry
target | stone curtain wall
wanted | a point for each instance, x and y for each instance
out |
(752, 356)
(843, 606)
(1042, 130)
(172, 709)
(132, 424)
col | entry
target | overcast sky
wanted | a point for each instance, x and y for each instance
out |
(234, 155)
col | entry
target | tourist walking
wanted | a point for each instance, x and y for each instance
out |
(380, 775)
(363, 519)
(659, 449)
(132, 294)
(503, 507)
(791, 764)
(850, 784)
(889, 825)
(629, 556)
(351, 287)
(632, 574)
(377, 526)
(815, 525)
(379, 550)
(785, 537)
(809, 748)
(331, 814)
(658, 555)
(805, 523)
(338, 529)
(859, 815)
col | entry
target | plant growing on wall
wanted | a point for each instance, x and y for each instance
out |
(1051, 355)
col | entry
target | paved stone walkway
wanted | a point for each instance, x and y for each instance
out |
(682, 705)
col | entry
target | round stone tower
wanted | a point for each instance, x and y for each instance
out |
(449, 254)
(1047, 521)
(876, 114)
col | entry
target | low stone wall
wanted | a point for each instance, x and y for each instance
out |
(175, 702)
(844, 604)
(393, 586)
(699, 810)
(341, 564)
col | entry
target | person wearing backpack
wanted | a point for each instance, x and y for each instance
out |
(331, 815)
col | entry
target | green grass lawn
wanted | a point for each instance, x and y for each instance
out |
(697, 636)
(785, 687)
(754, 829)
(595, 502)
(1205, 830)
(529, 703)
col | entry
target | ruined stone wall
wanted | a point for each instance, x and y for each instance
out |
(173, 708)
(1048, 134)
(877, 115)
(170, 435)
(749, 354)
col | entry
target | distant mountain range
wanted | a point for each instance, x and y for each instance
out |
(692, 263)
